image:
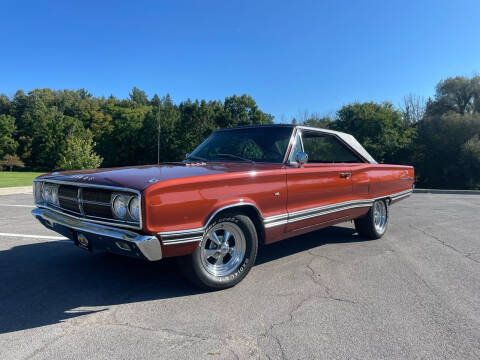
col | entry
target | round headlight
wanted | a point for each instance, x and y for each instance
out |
(119, 206)
(134, 208)
(38, 186)
(47, 193)
(54, 194)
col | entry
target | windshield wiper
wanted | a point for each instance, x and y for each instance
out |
(193, 157)
(231, 156)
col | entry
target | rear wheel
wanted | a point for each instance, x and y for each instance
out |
(374, 224)
(226, 253)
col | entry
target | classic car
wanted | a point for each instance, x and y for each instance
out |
(240, 188)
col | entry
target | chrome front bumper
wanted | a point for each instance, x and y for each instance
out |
(107, 238)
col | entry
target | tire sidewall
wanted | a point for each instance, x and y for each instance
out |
(251, 247)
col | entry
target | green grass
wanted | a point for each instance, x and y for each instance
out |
(17, 178)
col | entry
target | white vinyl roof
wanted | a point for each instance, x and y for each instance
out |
(346, 138)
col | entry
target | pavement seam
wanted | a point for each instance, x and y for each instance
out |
(436, 238)
(314, 277)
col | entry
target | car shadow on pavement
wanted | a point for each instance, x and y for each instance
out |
(45, 283)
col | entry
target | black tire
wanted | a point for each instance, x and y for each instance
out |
(365, 226)
(197, 270)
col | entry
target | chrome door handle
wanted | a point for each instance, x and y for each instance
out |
(345, 175)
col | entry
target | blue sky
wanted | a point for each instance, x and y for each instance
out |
(290, 56)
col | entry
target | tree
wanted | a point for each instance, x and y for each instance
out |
(379, 127)
(7, 129)
(470, 159)
(5, 104)
(242, 110)
(139, 97)
(458, 94)
(413, 108)
(446, 151)
(316, 120)
(11, 161)
(79, 154)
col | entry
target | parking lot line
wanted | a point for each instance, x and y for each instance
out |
(34, 236)
(28, 206)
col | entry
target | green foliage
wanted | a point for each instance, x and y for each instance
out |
(447, 151)
(458, 94)
(7, 129)
(73, 129)
(324, 122)
(11, 161)
(79, 154)
(379, 127)
(124, 132)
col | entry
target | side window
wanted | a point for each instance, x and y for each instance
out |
(322, 148)
(297, 147)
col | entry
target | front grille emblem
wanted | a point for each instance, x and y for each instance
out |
(83, 177)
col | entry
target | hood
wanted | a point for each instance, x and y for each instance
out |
(140, 177)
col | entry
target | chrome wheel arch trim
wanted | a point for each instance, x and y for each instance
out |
(196, 235)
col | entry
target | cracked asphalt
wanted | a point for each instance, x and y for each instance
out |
(414, 294)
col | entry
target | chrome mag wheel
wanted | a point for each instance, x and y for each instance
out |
(380, 216)
(223, 249)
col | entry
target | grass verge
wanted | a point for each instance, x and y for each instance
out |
(17, 178)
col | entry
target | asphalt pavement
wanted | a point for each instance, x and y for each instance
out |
(414, 294)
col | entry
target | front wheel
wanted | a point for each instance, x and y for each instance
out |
(226, 253)
(374, 224)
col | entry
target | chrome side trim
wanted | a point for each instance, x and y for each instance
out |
(275, 220)
(104, 221)
(181, 237)
(149, 245)
(283, 219)
(182, 241)
(196, 235)
(326, 210)
(401, 195)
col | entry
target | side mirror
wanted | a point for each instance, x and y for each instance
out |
(302, 158)
(187, 155)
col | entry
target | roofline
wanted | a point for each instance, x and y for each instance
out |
(256, 126)
(347, 139)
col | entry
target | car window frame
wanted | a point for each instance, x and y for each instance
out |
(302, 132)
(282, 162)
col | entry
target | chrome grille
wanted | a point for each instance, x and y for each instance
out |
(96, 195)
(68, 198)
(90, 202)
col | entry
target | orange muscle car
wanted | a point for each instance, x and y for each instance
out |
(241, 187)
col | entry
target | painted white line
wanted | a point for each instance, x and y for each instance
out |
(34, 236)
(27, 206)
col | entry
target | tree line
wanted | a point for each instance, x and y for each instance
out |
(440, 136)
(63, 129)
(67, 129)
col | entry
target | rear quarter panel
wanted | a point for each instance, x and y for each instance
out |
(376, 180)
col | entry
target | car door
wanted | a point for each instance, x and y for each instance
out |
(318, 189)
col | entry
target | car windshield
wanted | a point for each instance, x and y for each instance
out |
(264, 144)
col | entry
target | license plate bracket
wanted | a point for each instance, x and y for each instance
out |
(82, 241)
